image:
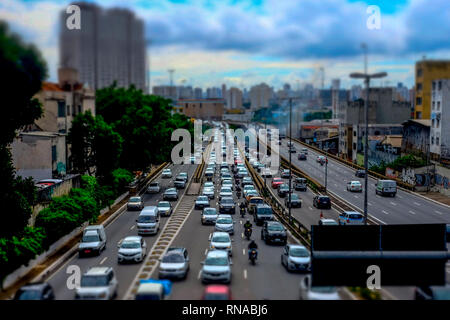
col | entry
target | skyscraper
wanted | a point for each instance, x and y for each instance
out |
(110, 46)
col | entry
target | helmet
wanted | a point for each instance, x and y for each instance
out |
(248, 221)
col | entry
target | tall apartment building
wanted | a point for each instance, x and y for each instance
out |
(260, 96)
(440, 120)
(213, 93)
(233, 98)
(110, 46)
(426, 72)
(335, 85)
(198, 93)
(168, 92)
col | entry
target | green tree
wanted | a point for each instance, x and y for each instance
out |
(22, 72)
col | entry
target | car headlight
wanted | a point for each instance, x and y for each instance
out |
(229, 247)
(212, 246)
(102, 295)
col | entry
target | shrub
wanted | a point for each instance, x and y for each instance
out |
(121, 179)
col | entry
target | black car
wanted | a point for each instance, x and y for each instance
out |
(283, 190)
(433, 293)
(360, 173)
(300, 184)
(262, 212)
(227, 205)
(273, 231)
(322, 202)
(302, 156)
(35, 291)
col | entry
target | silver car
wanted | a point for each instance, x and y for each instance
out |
(98, 283)
(135, 203)
(221, 241)
(131, 249)
(165, 208)
(209, 216)
(224, 223)
(166, 173)
(174, 264)
(154, 187)
(209, 192)
(216, 267)
(170, 194)
(296, 257)
(308, 292)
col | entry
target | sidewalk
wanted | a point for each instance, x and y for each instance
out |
(436, 196)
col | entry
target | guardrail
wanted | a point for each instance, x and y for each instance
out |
(356, 166)
(138, 187)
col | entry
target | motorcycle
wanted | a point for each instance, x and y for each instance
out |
(238, 194)
(252, 256)
(248, 233)
(242, 211)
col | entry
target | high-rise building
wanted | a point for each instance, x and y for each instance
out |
(213, 93)
(198, 93)
(233, 98)
(335, 84)
(110, 46)
(426, 72)
(440, 119)
(260, 96)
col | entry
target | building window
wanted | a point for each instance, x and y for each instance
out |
(61, 109)
(73, 110)
(68, 110)
(432, 123)
(432, 140)
(419, 101)
(79, 109)
(434, 85)
(432, 105)
(438, 106)
(418, 115)
(439, 85)
(419, 86)
(53, 153)
(437, 141)
(437, 123)
(354, 146)
(419, 72)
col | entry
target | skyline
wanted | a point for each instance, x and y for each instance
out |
(243, 43)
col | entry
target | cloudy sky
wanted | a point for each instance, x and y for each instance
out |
(245, 42)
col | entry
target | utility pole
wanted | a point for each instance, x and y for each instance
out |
(290, 160)
(366, 78)
(326, 168)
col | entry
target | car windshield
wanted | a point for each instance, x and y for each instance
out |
(225, 190)
(170, 191)
(227, 200)
(275, 227)
(153, 184)
(325, 199)
(173, 258)
(146, 219)
(210, 211)
(202, 198)
(208, 189)
(284, 186)
(294, 197)
(389, 184)
(135, 200)
(224, 221)
(442, 293)
(265, 211)
(91, 238)
(323, 289)
(30, 295)
(220, 238)
(299, 252)
(94, 281)
(130, 245)
(164, 205)
(355, 216)
(256, 200)
(216, 261)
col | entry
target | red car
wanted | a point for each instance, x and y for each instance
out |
(217, 292)
(276, 182)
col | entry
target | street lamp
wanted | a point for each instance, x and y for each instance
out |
(366, 76)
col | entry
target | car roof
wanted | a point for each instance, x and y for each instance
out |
(294, 245)
(273, 222)
(34, 286)
(217, 253)
(94, 271)
(220, 233)
(223, 216)
(263, 205)
(217, 288)
(353, 212)
(133, 238)
(136, 197)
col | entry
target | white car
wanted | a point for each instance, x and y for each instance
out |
(221, 240)
(296, 257)
(98, 283)
(154, 187)
(308, 292)
(224, 223)
(320, 158)
(166, 173)
(216, 267)
(133, 249)
(354, 186)
(225, 192)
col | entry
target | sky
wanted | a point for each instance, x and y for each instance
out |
(245, 42)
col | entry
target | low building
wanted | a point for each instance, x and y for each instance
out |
(205, 109)
(440, 121)
(416, 137)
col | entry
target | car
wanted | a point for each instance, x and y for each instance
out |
(131, 249)
(179, 182)
(246, 181)
(227, 205)
(296, 257)
(292, 149)
(248, 188)
(165, 208)
(432, 293)
(170, 194)
(225, 192)
(386, 187)
(166, 173)
(301, 156)
(201, 202)
(221, 240)
(224, 223)
(305, 150)
(322, 202)
(135, 203)
(174, 264)
(266, 173)
(152, 289)
(360, 173)
(216, 267)
(209, 192)
(300, 184)
(320, 159)
(217, 292)
(253, 202)
(154, 187)
(93, 241)
(273, 231)
(148, 221)
(225, 175)
(35, 291)
(350, 217)
(354, 186)
(227, 183)
(184, 175)
(208, 184)
(209, 174)
(295, 202)
(289, 144)
(309, 292)
(327, 222)
(250, 194)
(285, 173)
(262, 212)
(209, 216)
(276, 182)
(98, 283)
(192, 159)
(283, 190)
(242, 173)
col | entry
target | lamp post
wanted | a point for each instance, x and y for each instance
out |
(366, 76)
(290, 160)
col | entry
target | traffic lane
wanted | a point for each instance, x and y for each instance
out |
(121, 227)
(423, 209)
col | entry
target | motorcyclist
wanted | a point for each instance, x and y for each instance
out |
(248, 225)
(252, 245)
(242, 209)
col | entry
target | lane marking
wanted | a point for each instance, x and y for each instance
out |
(438, 212)
(206, 251)
(243, 252)
(132, 227)
(417, 204)
(199, 274)
(393, 203)
(356, 196)
(104, 259)
(310, 208)
(385, 212)
(369, 203)
(412, 212)
(245, 273)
